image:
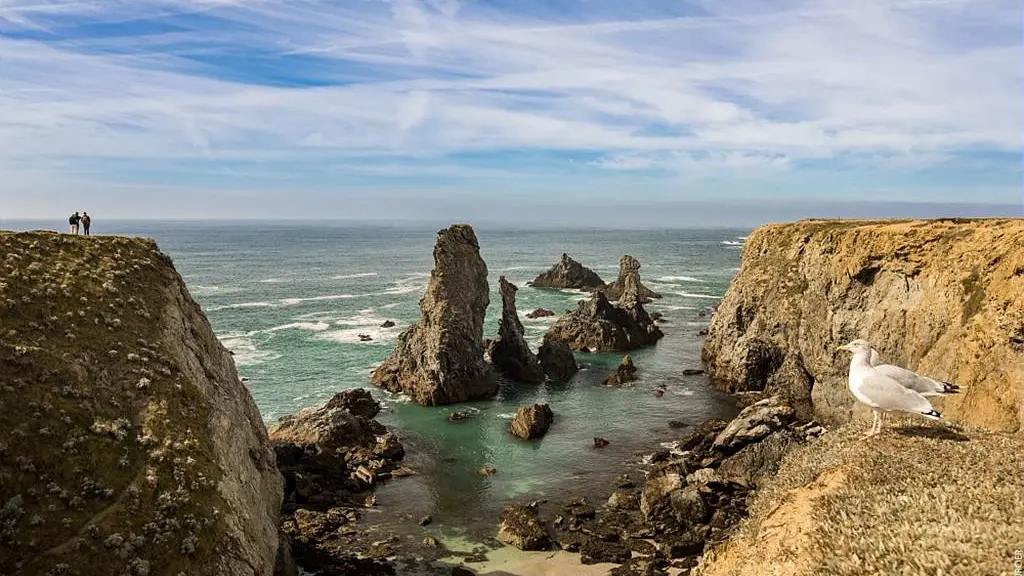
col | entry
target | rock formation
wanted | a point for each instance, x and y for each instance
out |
(532, 421)
(568, 273)
(940, 297)
(624, 374)
(629, 272)
(128, 445)
(600, 326)
(329, 454)
(520, 527)
(509, 352)
(556, 358)
(440, 358)
(540, 313)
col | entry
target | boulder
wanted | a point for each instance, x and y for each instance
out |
(358, 402)
(568, 273)
(755, 422)
(440, 358)
(667, 498)
(629, 272)
(540, 313)
(598, 325)
(556, 358)
(625, 373)
(532, 421)
(757, 461)
(509, 352)
(520, 527)
(623, 501)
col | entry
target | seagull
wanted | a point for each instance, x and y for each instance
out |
(881, 392)
(912, 380)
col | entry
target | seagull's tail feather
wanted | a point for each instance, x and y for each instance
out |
(933, 414)
(948, 388)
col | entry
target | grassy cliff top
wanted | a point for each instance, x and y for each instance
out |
(913, 501)
(103, 469)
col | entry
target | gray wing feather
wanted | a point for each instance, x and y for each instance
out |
(889, 394)
(911, 380)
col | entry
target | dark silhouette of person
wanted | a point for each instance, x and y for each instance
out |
(73, 221)
(86, 221)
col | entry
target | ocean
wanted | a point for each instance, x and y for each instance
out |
(292, 299)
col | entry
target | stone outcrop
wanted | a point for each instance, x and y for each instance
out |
(556, 358)
(629, 273)
(532, 421)
(128, 444)
(440, 358)
(328, 455)
(521, 527)
(600, 326)
(509, 352)
(624, 374)
(540, 313)
(568, 273)
(940, 297)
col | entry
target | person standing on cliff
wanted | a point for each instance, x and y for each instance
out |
(86, 221)
(73, 221)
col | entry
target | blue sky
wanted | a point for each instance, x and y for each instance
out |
(284, 108)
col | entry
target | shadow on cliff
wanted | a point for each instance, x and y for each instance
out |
(933, 433)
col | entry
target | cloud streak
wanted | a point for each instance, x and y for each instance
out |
(679, 90)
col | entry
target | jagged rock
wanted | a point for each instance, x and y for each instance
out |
(758, 460)
(509, 352)
(623, 501)
(568, 273)
(594, 551)
(532, 421)
(329, 427)
(388, 324)
(600, 442)
(625, 373)
(520, 527)
(358, 402)
(540, 313)
(440, 358)
(629, 272)
(598, 325)
(556, 358)
(667, 498)
(755, 422)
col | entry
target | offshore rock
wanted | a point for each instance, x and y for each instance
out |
(598, 325)
(629, 272)
(440, 358)
(556, 358)
(940, 297)
(625, 373)
(568, 273)
(510, 354)
(532, 421)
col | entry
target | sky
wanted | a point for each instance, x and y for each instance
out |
(372, 108)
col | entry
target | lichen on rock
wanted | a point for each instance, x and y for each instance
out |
(440, 358)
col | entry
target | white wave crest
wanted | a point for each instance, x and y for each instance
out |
(350, 276)
(694, 295)
(679, 279)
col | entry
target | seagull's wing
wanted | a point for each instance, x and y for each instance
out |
(913, 381)
(888, 394)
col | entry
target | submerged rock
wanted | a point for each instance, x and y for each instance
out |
(568, 273)
(509, 352)
(629, 272)
(625, 373)
(540, 313)
(520, 527)
(556, 358)
(440, 358)
(532, 421)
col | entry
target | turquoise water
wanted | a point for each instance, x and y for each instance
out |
(291, 301)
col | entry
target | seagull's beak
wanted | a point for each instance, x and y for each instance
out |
(841, 348)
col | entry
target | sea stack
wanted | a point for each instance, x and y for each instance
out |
(568, 273)
(440, 358)
(509, 352)
(629, 271)
(600, 326)
(556, 358)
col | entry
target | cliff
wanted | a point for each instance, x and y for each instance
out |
(916, 502)
(940, 297)
(127, 443)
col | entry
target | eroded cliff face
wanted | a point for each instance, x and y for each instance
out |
(941, 297)
(127, 443)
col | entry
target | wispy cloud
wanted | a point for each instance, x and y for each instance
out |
(726, 88)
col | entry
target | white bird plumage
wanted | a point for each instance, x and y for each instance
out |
(923, 385)
(881, 392)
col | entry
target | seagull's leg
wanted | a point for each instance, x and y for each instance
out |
(874, 423)
(881, 421)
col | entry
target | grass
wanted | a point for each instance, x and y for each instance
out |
(103, 467)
